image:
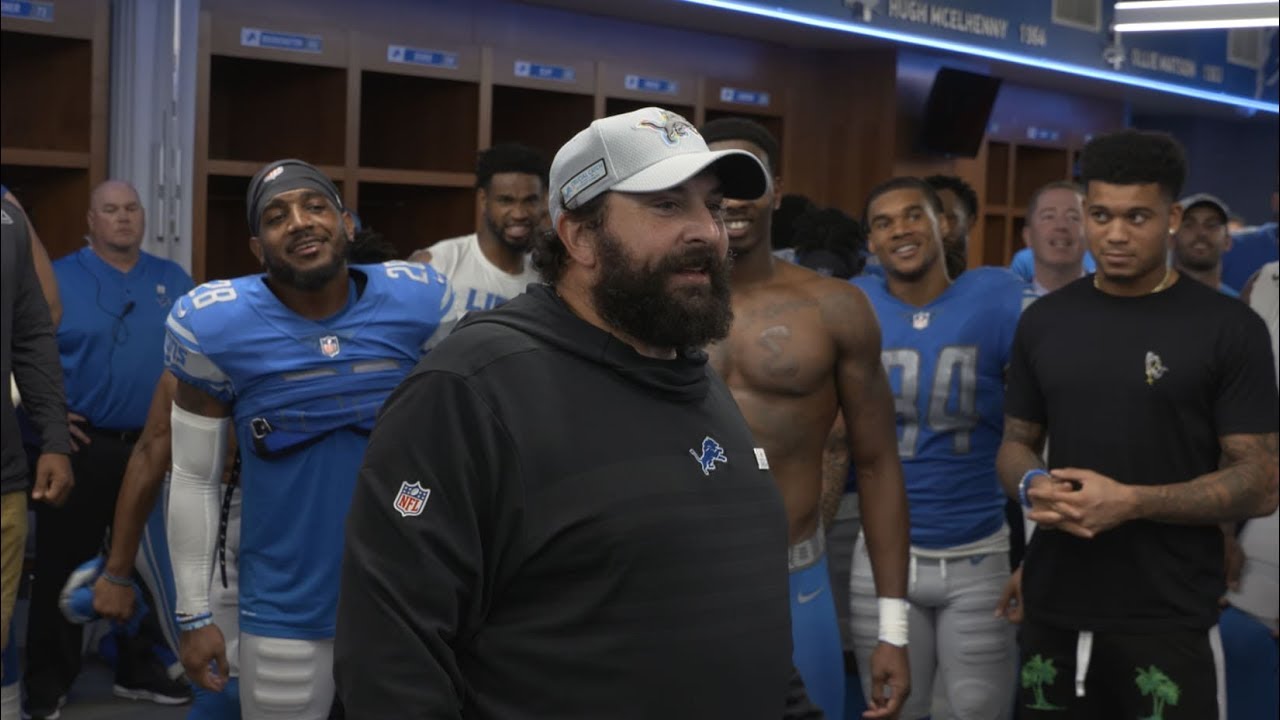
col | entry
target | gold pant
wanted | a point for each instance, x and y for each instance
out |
(13, 541)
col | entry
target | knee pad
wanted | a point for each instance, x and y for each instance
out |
(285, 678)
(223, 705)
(973, 699)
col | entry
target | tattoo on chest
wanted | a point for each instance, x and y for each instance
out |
(777, 362)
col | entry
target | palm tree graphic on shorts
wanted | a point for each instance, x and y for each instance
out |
(1160, 687)
(1036, 673)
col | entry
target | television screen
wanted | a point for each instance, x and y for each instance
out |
(956, 113)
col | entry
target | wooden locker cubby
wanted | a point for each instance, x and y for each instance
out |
(227, 252)
(543, 119)
(56, 199)
(1017, 222)
(1014, 171)
(53, 76)
(264, 110)
(53, 122)
(1035, 166)
(400, 112)
(418, 123)
(411, 217)
(995, 233)
(541, 112)
(539, 118)
(998, 155)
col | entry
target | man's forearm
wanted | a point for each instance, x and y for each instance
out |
(1020, 450)
(1235, 493)
(139, 490)
(885, 524)
(1013, 460)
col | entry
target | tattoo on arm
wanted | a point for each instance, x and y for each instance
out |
(1246, 487)
(835, 470)
(1020, 450)
(1024, 432)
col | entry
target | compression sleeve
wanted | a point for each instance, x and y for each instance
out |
(199, 451)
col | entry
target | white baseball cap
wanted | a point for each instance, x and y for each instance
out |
(647, 150)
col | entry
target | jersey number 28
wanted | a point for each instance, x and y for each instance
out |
(214, 291)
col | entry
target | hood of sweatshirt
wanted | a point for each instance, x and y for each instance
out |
(542, 315)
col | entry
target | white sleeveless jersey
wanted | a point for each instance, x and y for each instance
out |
(1265, 300)
(1260, 580)
(477, 283)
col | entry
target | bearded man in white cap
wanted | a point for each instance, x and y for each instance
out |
(561, 512)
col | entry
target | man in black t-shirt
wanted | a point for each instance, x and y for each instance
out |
(1159, 395)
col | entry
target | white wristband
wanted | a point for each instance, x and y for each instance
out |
(893, 620)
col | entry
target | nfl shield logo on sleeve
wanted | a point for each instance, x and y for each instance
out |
(329, 345)
(411, 499)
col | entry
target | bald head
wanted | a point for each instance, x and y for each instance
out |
(116, 219)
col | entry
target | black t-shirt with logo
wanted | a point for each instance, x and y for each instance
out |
(1138, 389)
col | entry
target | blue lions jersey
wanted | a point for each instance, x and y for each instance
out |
(946, 364)
(304, 395)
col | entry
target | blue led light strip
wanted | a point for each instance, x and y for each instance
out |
(966, 49)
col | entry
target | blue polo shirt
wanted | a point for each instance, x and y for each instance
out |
(111, 338)
(1024, 264)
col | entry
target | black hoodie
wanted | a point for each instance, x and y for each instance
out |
(598, 541)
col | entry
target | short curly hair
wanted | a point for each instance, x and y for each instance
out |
(791, 208)
(368, 247)
(511, 158)
(968, 198)
(902, 182)
(549, 254)
(740, 128)
(1135, 157)
(830, 230)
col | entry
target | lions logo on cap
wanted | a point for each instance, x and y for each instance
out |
(275, 173)
(670, 126)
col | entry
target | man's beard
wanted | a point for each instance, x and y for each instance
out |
(639, 301)
(308, 280)
(1199, 264)
(516, 247)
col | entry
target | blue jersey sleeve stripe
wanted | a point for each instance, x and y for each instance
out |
(173, 326)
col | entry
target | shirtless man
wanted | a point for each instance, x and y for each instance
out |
(803, 350)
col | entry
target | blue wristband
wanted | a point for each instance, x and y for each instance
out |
(117, 580)
(1025, 484)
